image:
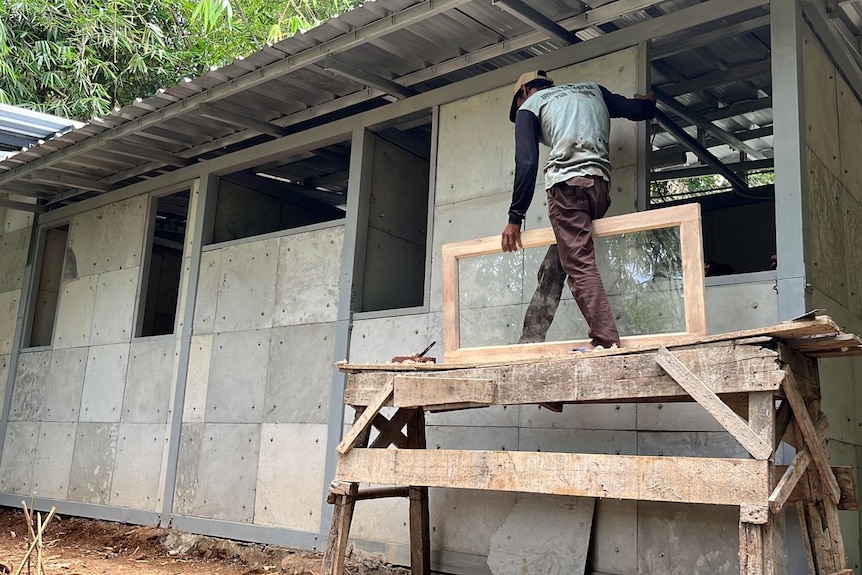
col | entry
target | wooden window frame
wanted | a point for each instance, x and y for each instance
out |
(685, 217)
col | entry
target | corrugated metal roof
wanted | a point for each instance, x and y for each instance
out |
(21, 128)
(390, 48)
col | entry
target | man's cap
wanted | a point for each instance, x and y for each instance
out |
(525, 78)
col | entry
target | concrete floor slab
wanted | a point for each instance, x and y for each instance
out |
(197, 380)
(477, 438)
(149, 381)
(64, 385)
(680, 539)
(379, 340)
(299, 375)
(114, 309)
(579, 441)
(281, 447)
(619, 416)
(104, 383)
(13, 259)
(239, 362)
(544, 534)
(247, 286)
(689, 444)
(137, 470)
(309, 270)
(93, 462)
(75, 312)
(187, 468)
(227, 474)
(207, 293)
(31, 378)
(8, 319)
(19, 452)
(53, 462)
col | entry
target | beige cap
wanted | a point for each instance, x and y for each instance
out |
(525, 78)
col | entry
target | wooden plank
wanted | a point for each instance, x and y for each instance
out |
(758, 514)
(420, 523)
(707, 398)
(805, 529)
(451, 303)
(842, 342)
(412, 391)
(724, 369)
(676, 479)
(390, 429)
(844, 475)
(787, 484)
(782, 422)
(836, 538)
(815, 446)
(691, 256)
(750, 549)
(364, 420)
(336, 543)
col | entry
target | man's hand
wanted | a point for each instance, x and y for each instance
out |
(648, 96)
(512, 238)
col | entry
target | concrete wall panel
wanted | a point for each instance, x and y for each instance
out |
(611, 416)
(386, 520)
(741, 306)
(464, 520)
(75, 313)
(850, 139)
(64, 385)
(4, 373)
(104, 383)
(852, 243)
(826, 263)
(16, 219)
(207, 294)
(109, 238)
(8, 315)
(497, 416)
(821, 103)
(615, 537)
(675, 417)
(53, 462)
(28, 395)
(188, 462)
(579, 441)
(237, 383)
(309, 268)
(472, 437)
(383, 288)
(93, 463)
(281, 447)
(227, 472)
(247, 286)
(492, 326)
(13, 259)
(689, 444)
(19, 453)
(114, 309)
(197, 380)
(378, 340)
(679, 539)
(149, 381)
(299, 374)
(135, 484)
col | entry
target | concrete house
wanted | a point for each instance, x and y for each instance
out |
(177, 278)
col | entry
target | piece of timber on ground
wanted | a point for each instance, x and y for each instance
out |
(761, 385)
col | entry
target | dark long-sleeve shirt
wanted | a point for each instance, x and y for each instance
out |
(574, 121)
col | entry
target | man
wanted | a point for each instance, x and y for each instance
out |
(574, 121)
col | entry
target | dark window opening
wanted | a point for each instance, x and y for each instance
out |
(397, 233)
(298, 190)
(164, 265)
(720, 95)
(50, 277)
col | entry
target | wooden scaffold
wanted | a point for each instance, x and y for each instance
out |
(761, 385)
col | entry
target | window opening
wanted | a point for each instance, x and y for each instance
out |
(48, 290)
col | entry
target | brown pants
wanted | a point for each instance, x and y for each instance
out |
(572, 207)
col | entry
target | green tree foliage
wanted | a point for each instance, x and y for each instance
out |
(81, 58)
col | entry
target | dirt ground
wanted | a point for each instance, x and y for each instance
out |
(75, 546)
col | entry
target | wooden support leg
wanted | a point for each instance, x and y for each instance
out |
(342, 516)
(751, 549)
(420, 534)
(761, 420)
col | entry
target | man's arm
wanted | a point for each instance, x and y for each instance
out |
(527, 131)
(641, 107)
